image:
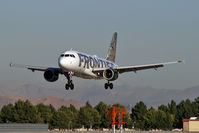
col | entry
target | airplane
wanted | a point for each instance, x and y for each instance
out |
(74, 63)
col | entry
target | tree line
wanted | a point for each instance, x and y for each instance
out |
(165, 117)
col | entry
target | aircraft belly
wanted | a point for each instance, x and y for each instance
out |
(86, 74)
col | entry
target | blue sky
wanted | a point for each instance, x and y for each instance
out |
(36, 32)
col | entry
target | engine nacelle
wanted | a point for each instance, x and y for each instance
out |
(110, 74)
(51, 75)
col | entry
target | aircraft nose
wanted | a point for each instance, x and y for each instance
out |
(66, 63)
(61, 62)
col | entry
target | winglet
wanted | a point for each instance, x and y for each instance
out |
(180, 61)
(18, 65)
(11, 64)
(174, 62)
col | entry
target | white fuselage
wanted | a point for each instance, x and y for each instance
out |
(81, 64)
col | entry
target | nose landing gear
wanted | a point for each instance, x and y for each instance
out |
(110, 85)
(70, 84)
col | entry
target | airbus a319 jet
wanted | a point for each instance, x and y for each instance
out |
(74, 63)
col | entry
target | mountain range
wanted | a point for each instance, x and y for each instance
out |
(57, 95)
(55, 101)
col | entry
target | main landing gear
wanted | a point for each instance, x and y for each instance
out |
(70, 84)
(110, 85)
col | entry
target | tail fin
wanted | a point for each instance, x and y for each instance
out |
(112, 49)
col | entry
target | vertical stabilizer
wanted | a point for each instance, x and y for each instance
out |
(112, 49)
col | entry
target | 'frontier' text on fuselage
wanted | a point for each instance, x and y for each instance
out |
(87, 61)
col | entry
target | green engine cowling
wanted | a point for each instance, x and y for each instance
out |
(110, 74)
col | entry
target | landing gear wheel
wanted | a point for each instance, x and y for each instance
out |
(71, 86)
(106, 86)
(67, 86)
(111, 86)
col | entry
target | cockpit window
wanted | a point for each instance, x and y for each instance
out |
(72, 56)
(67, 55)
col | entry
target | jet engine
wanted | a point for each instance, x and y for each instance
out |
(51, 75)
(110, 74)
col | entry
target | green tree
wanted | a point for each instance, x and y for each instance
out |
(195, 106)
(150, 119)
(129, 121)
(163, 108)
(45, 112)
(52, 109)
(102, 108)
(26, 112)
(74, 115)
(96, 118)
(73, 109)
(137, 115)
(60, 120)
(172, 107)
(158, 119)
(88, 105)
(1, 121)
(184, 110)
(85, 117)
(8, 113)
(89, 117)
(163, 120)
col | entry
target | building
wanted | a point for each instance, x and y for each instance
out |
(191, 125)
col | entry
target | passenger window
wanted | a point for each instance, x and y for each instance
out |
(62, 55)
(67, 55)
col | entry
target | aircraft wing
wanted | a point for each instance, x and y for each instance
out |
(143, 67)
(35, 68)
(138, 67)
